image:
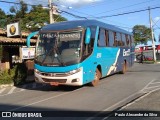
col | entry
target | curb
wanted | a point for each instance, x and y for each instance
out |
(6, 85)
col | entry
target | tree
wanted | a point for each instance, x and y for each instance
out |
(59, 18)
(20, 11)
(32, 19)
(141, 33)
(38, 17)
(2, 14)
(2, 18)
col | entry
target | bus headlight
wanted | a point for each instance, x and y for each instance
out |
(75, 71)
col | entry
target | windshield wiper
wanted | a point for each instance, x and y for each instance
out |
(55, 51)
(58, 58)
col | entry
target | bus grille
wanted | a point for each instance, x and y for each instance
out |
(54, 74)
(55, 80)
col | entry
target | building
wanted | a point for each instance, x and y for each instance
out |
(10, 52)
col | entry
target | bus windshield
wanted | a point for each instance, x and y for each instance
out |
(58, 48)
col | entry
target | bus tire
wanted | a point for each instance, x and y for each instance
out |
(96, 78)
(124, 68)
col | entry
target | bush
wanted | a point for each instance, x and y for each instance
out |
(6, 78)
(16, 75)
(20, 74)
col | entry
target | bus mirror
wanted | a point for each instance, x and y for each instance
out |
(29, 37)
(88, 36)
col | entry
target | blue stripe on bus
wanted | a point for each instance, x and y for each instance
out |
(57, 69)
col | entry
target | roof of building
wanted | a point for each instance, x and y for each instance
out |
(4, 39)
(14, 40)
(81, 23)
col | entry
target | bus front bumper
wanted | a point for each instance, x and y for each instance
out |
(73, 78)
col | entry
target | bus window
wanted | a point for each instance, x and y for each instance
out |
(107, 38)
(122, 43)
(132, 41)
(119, 39)
(123, 40)
(102, 38)
(115, 39)
(93, 32)
(127, 40)
(91, 44)
(111, 38)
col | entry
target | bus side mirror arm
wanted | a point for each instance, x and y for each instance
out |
(29, 37)
(88, 36)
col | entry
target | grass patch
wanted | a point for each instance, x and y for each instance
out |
(5, 78)
(149, 62)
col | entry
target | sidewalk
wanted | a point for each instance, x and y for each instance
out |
(146, 107)
(148, 102)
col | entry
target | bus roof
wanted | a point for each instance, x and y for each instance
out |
(81, 23)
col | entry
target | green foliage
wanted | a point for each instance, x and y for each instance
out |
(30, 20)
(6, 77)
(19, 11)
(59, 18)
(20, 74)
(37, 18)
(15, 75)
(141, 33)
(2, 14)
(2, 18)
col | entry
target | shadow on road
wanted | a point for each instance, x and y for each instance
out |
(47, 87)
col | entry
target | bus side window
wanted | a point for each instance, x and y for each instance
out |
(132, 41)
(127, 40)
(122, 43)
(102, 38)
(115, 39)
(91, 44)
(107, 37)
(123, 40)
(111, 38)
(119, 39)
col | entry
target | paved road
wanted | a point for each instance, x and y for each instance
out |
(113, 92)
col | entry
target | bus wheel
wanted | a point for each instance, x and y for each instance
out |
(124, 68)
(96, 78)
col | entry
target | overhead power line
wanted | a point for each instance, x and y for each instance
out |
(77, 16)
(16, 3)
(155, 23)
(120, 8)
(125, 13)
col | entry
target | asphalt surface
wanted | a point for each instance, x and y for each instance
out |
(136, 90)
(146, 107)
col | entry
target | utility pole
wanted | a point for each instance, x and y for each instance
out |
(153, 42)
(50, 12)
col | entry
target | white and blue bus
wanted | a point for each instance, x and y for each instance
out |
(80, 52)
